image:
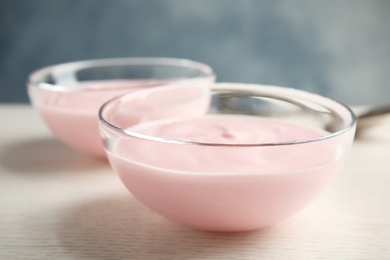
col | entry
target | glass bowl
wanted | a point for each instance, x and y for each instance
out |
(68, 96)
(241, 156)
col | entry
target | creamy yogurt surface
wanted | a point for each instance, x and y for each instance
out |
(230, 130)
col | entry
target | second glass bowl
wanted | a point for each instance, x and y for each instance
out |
(68, 96)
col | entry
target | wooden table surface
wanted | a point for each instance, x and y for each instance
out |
(56, 203)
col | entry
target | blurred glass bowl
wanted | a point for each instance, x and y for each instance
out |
(68, 96)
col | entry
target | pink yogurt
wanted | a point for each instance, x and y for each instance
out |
(225, 188)
(72, 114)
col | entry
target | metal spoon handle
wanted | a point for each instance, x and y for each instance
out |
(374, 112)
(371, 117)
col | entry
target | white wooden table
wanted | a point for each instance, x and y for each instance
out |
(58, 204)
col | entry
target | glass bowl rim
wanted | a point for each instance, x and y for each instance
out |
(232, 86)
(35, 78)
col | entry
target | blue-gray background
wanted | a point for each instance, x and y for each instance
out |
(338, 48)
